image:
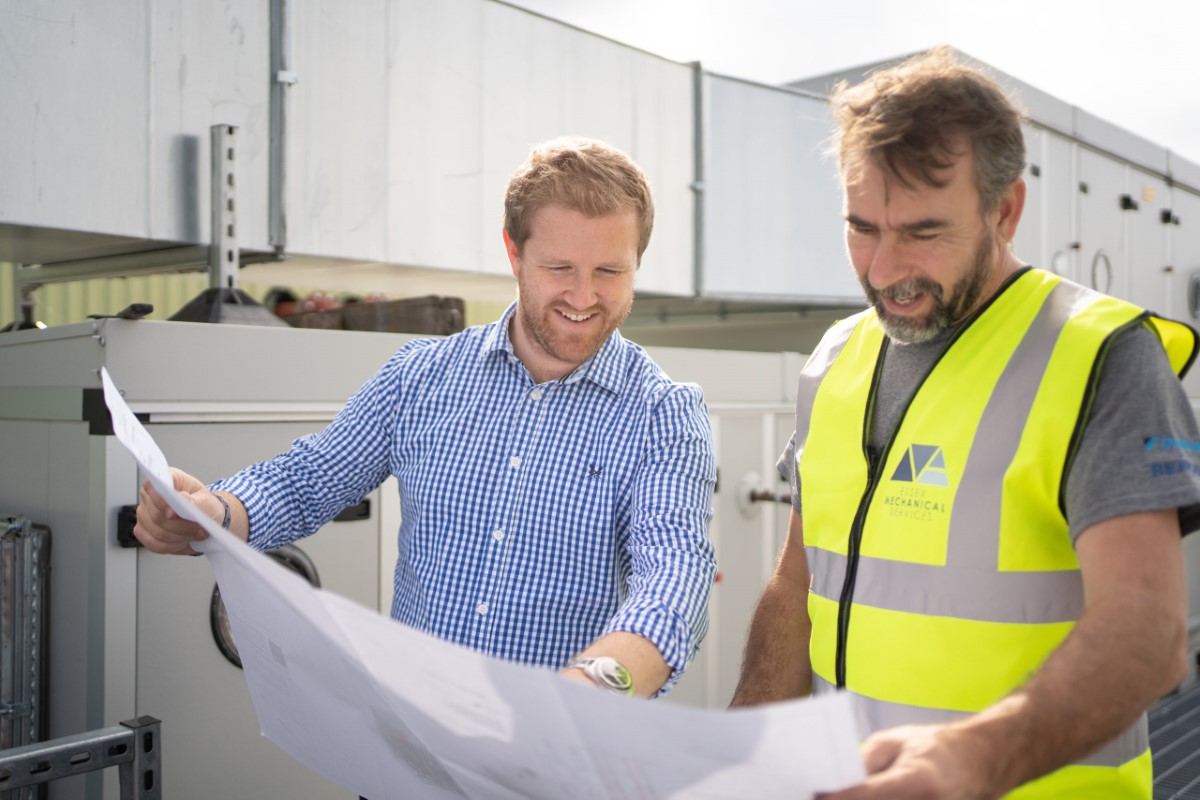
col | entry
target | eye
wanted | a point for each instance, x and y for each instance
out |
(922, 236)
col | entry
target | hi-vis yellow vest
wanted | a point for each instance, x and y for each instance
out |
(944, 575)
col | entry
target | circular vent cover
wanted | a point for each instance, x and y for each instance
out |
(291, 557)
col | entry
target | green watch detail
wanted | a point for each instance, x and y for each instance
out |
(607, 673)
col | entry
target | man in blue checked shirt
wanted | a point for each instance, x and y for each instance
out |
(555, 485)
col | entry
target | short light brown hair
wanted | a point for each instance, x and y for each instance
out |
(584, 175)
(908, 119)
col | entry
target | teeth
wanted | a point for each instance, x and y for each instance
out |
(575, 317)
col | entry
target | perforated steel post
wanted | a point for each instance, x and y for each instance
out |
(223, 250)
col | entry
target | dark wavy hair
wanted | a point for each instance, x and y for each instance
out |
(910, 120)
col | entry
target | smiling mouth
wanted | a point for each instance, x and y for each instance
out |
(575, 317)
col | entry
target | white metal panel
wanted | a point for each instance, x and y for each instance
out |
(109, 459)
(338, 130)
(1102, 229)
(1185, 257)
(663, 144)
(1146, 241)
(209, 65)
(543, 79)
(524, 88)
(438, 213)
(1030, 240)
(740, 549)
(57, 77)
(1060, 238)
(210, 726)
(772, 204)
(107, 113)
(1184, 171)
(1035, 103)
(1046, 235)
(40, 459)
(1120, 142)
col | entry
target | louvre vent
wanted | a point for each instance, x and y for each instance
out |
(1175, 740)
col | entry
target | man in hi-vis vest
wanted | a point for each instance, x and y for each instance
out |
(991, 468)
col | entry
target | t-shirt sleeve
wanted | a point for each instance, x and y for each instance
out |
(786, 466)
(1140, 450)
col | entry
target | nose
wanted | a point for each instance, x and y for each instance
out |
(886, 265)
(581, 293)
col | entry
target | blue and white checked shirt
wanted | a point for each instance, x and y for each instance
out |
(535, 518)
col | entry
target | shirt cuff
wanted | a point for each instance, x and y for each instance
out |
(662, 627)
(250, 497)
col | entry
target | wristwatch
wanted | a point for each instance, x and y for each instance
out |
(607, 673)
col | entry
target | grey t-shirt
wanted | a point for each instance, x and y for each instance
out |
(1140, 450)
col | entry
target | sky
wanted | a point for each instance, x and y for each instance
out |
(1136, 65)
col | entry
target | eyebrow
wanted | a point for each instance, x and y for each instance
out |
(566, 262)
(911, 227)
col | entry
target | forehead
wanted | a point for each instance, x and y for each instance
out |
(872, 193)
(557, 221)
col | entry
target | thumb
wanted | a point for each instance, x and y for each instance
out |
(185, 483)
(879, 752)
(207, 504)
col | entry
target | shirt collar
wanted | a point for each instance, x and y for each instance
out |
(605, 368)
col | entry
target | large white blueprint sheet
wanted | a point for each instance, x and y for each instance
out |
(389, 712)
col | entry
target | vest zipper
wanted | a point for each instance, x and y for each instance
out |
(846, 598)
(875, 466)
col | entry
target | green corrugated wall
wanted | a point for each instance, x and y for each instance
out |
(63, 303)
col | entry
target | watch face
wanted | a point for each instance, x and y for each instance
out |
(614, 675)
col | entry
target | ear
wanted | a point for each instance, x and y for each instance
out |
(514, 253)
(1009, 210)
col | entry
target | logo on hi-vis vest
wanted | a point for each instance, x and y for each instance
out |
(921, 471)
(923, 463)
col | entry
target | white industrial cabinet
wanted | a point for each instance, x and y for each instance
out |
(130, 631)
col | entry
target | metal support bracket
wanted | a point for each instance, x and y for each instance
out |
(134, 747)
(223, 253)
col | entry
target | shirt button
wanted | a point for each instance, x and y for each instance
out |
(514, 462)
(536, 394)
(498, 534)
(482, 608)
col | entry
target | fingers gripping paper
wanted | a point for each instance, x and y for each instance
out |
(389, 712)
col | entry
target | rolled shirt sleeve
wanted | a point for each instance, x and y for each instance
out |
(670, 557)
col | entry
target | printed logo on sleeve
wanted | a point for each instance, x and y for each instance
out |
(1164, 443)
(1174, 447)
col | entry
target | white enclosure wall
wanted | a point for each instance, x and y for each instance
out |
(772, 206)
(403, 123)
(409, 116)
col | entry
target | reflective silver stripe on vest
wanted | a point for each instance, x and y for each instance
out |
(1021, 597)
(814, 372)
(872, 715)
(970, 585)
